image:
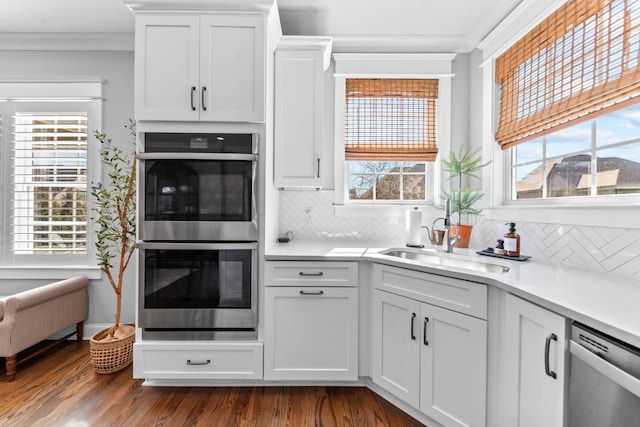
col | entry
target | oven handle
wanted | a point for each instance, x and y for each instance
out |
(196, 246)
(197, 156)
(612, 372)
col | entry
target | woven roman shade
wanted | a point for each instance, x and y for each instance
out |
(580, 62)
(391, 119)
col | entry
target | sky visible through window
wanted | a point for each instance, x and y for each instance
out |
(614, 136)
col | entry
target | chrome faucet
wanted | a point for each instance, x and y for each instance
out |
(448, 242)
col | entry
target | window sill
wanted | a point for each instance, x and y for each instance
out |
(49, 272)
(587, 215)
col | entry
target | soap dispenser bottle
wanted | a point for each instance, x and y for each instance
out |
(512, 241)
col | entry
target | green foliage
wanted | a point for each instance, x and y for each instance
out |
(466, 162)
(115, 209)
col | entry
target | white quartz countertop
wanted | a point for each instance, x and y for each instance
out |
(603, 301)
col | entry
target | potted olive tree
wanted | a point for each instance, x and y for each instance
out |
(466, 162)
(115, 238)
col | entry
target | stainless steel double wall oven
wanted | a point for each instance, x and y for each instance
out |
(199, 232)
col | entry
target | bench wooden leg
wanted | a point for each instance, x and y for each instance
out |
(79, 331)
(12, 363)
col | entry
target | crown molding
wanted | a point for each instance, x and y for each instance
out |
(525, 17)
(199, 5)
(67, 41)
(399, 44)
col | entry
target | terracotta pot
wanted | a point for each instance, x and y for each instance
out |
(465, 234)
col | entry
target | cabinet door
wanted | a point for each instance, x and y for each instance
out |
(166, 68)
(299, 104)
(396, 345)
(453, 367)
(534, 337)
(311, 333)
(232, 68)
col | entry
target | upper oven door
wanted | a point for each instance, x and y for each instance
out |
(197, 194)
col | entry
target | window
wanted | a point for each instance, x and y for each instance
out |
(383, 180)
(48, 161)
(562, 164)
(569, 103)
(387, 120)
(389, 127)
(49, 186)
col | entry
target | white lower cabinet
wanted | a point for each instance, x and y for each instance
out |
(189, 360)
(433, 358)
(533, 388)
(311, 330)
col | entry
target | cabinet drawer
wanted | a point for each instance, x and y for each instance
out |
(311, 273)
(455, 294)
(178, 360)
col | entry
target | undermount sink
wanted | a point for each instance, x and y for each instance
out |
(446, 260)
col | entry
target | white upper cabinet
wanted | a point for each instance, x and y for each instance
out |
(200, 67)
(299, 110)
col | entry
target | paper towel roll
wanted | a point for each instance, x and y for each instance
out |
(413, 223)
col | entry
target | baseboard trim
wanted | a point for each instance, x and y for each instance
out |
(89, 330)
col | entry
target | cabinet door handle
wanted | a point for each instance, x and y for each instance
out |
(198, 362)
(311, 293)
(424, 332)
(413, 319)
(204, 94)
(319, 274)
(193, 90)
(318, 175)
(547, 344)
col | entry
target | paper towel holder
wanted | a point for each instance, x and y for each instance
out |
(417, 245)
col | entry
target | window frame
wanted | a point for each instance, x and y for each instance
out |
(423, 66)
(496, 178)
(36, 92)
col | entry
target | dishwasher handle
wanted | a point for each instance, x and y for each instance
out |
(615, 374)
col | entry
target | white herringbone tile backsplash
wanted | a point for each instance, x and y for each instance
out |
(310, 216)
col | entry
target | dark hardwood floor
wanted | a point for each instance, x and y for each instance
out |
(60, 388)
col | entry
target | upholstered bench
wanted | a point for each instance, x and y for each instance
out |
(29, 317)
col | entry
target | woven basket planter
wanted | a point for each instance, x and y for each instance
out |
(109, 357)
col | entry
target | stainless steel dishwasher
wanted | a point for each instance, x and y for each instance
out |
(604, 384)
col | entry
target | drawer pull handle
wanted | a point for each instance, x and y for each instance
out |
(311, 293)
(547, 344)
(198, 362)
(319, 274)
(424, 333)
(413, 319)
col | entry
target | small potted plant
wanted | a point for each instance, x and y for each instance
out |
(115, 209)
(466, 162)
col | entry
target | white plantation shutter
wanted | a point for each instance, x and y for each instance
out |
(49, 183)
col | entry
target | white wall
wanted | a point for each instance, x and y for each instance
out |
(117, 69)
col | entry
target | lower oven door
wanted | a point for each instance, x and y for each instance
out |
(197, 290)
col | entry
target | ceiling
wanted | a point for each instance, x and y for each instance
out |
(428, 25)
